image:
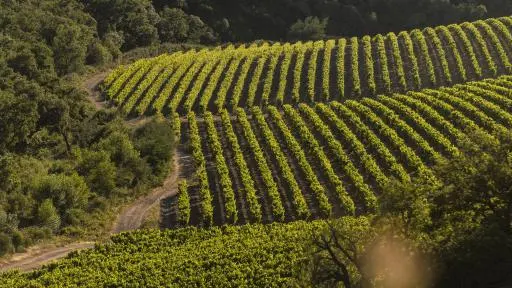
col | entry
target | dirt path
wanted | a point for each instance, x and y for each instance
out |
(91, 86)
(36, 257)
(132, 216)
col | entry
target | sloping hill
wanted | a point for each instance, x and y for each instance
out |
(328, 159)
(252, 255)
(252, 75)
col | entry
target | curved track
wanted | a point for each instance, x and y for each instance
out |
(130, 218)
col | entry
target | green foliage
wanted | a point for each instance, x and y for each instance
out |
(178, 27)
(248, 255)
(463, 220)
(457, 228)
(338, 251)
(156, 141)
(310, 28)
(409, 202)
(5, 244)
(48, 216)
(53, 147)
(98, 170)
(65, 191)
(61, 164)
(99, 55)
(18, 121)
(243, 21)
(173, 26)
(131, 169)
(134, 19)
(70, 43)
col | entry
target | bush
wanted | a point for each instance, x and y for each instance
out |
(65, 191)
(5, 244)
(73, 231)
(18, 241)
(47, 216)
(98, 55)
(75, 216)
(34, 234)
(155, 141)
(131, 169)
(311, 28)
(98, 170)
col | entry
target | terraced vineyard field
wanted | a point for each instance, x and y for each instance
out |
(276, 74)
(328, 159)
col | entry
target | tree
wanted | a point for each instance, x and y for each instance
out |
(461, 222)
(18, 121)
(479, 180)
(407, 206)
(311, 28)
(48, 216)
(70, 45)
(199, 32)
(472, 213)
(8, 222)
(5, 244)
(155, 141)
(113, 41)
(98, 170)
(131, 169)
(338, 252)
(173, 25)
(135, 20)
(139, 31)
(98, 54)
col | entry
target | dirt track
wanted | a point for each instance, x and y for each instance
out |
(91, 86)
(131, 217)
(34, 258)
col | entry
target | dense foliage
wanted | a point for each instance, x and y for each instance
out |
(63, 165)
(277, 19)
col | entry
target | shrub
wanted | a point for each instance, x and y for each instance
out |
(47, 216)
(5, 244)
(155, 141)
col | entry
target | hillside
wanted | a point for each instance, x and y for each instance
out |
(285, 73)
(328, 159)
(380, 160)
(230, 256)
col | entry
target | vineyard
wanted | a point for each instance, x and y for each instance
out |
(290, 131)
(276, 73)
(222, 257)
(186, 144)
(325, 160)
